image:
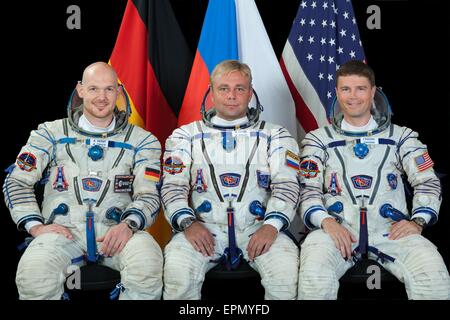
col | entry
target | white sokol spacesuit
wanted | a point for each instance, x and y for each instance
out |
(113, 175)
(209, 168)
(348, 175)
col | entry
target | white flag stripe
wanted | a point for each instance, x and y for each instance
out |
(303, 86)
(256, 50)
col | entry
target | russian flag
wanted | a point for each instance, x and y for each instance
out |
(218, 42)
(233, 29)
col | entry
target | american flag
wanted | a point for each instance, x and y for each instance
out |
(424, 162)
(324, 35)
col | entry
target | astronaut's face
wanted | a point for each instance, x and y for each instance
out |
(99, 91)
(231, 94)
(355, 94)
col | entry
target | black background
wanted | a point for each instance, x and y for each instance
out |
(42, 60)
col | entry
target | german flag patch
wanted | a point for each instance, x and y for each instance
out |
(152, 174)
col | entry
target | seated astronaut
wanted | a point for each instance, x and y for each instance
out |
(100, 175)
(229, 187)
(353, 198)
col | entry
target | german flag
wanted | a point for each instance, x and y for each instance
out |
(152, 61)
(152, 174)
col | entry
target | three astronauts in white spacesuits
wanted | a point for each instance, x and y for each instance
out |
(100, 177)
(229, 187)
(353, 197)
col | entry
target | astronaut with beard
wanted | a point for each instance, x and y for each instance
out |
(229, 187)
(352, 195)
(100, 177)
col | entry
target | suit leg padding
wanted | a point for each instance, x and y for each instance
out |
(321, 267)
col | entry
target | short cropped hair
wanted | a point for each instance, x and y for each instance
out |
(356, 67)
(228, 66)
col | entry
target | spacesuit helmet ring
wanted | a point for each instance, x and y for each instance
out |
(252, 112)
(381, 112)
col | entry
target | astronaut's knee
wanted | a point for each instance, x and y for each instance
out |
(41, 270)
(184, 271)
(279, 264)
(180, 283)
(278, 269)
(431, 282)
(314, 286)
(143, 260)
(319, 266)
(179, 263)
(427, 276)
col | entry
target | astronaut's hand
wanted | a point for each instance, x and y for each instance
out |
(201, 239)
(404, 228)
(50, 228)
(261, 241)
(115, 239)
(341, 236)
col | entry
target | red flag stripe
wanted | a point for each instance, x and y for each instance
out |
(304, 115)
(197, 86)
(131, 63)
(130, 60)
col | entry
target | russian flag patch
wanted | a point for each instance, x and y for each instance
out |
(292, 160)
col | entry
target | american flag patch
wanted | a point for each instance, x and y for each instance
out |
(152, 174)
(423, 162)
